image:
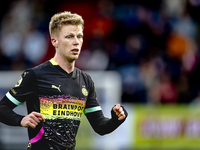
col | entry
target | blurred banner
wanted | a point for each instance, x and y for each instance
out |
(166, 127)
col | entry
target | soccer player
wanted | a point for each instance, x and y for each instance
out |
(57, 93)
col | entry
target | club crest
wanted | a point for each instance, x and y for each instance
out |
(84, 91)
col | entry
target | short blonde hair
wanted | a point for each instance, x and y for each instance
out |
(64, 18)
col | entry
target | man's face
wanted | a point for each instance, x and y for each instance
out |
(69, 42)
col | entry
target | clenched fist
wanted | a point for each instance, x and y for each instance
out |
(119, 112)
(32, 120)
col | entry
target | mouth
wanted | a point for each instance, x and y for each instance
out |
(75, 51)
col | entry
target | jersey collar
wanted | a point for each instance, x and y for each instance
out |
(53, 62)
(74, 74)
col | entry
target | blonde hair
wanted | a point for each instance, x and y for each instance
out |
(64, 18)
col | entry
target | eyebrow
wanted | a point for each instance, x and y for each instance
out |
(74, 34)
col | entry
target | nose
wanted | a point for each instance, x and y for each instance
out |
(76, 41)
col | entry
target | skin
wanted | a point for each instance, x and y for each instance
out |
(32, 120)
(119, 112)
(68, 45)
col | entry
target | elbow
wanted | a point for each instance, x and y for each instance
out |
(102, 132)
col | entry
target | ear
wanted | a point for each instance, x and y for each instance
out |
(54, 42)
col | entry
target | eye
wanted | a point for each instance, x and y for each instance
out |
(69, 36)
(80, 36)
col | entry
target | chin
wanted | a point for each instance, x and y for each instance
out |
(72, 59)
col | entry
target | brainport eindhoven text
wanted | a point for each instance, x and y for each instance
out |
(63, 110)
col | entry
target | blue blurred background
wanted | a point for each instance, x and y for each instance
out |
(153, 45)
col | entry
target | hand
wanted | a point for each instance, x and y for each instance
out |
(32, 120)
(119, 112)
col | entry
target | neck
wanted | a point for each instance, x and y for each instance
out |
(64, 64)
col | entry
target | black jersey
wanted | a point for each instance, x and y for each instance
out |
(59, 96)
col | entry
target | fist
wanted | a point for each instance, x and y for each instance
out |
(32, 120)
(119, 112)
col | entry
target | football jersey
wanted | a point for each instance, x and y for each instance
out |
(60, 97)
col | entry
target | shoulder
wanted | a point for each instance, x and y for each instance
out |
(42, 66)
(26, 78)
(81, 73)
(84, 78)
(43, 69)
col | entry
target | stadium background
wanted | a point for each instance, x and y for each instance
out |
(153, 46)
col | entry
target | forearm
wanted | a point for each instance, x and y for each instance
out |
(103, 125)
(7, 115)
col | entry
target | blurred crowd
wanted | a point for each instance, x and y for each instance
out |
(153, 45)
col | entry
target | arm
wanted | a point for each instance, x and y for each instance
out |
(94, 114)
(7, 115)
(103, 125)
(16, 96)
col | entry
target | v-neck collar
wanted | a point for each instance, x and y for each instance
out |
(73, 74)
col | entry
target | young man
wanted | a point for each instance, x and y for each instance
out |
(57, 93)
